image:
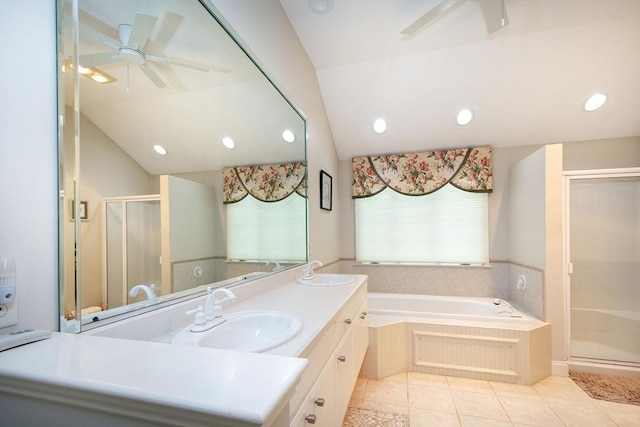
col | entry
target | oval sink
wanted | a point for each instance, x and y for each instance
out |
(327, 280)
(246, 331)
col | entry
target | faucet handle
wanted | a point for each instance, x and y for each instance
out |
(199, 316)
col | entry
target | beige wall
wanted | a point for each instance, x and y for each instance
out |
(602, 154)
(99, 157)
(554, 295)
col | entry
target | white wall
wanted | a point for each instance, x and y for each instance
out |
(526, 210)
(28, 157)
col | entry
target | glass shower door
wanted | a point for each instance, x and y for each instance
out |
(132, 236)
(604, 248)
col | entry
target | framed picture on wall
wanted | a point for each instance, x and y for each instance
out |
(326, 191)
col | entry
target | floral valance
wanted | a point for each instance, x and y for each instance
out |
(469, 169)
(268, 183)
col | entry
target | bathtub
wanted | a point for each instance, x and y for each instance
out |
(442, 307)
(455, 336)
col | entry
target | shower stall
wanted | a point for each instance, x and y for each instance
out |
(132, 247)
(603, 247)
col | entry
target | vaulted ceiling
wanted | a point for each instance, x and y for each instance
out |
(526, 83)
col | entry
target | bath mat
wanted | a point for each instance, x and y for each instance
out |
(356, 417)
(605, 387)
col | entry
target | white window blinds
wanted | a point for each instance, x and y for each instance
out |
(262, 231)
(449, 226)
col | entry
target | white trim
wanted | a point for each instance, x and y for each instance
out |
(559, 368)
(603, 369)
(601, 173)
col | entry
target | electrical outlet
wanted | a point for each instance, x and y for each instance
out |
(9, 313)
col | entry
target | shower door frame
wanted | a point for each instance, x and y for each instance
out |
(123, 200)
(568, 177)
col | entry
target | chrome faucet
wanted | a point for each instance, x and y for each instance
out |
(212, 307)
(149, 290)
(277, 267)
(308, 272)
(514, 313)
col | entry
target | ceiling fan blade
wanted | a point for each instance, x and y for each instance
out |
(87, 32)
(495, 14)
(155, 78)
(166, 29)
(97, 59)
(91, 28)
(141, 30)
(179, 62)
(443, 6)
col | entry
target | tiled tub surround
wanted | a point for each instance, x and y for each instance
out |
(499, 280)
(193, 273)
(126, 374)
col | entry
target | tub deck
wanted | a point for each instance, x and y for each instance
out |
(511, 350)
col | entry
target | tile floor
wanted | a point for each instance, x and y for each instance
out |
(433, 400)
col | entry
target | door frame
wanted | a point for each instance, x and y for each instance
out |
(568, 177)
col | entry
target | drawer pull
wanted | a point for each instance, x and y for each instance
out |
(348, 321)
(311, 419)
(319, 401)
(342, 359)
(363, 316)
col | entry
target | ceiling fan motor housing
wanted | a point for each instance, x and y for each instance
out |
(129, 54)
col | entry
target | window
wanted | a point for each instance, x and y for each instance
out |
(448, 226)
(262, 231)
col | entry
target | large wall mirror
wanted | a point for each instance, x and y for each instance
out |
(182, 166)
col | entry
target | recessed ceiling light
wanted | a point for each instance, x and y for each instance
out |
(99, 78)
(380, 126)
(288, 136)
(321, 6)
(464, 117)
(228, 142)
(93, 73)
(595, 101)
(160, 150)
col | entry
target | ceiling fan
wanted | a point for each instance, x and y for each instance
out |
(495, 15)
(130, 49)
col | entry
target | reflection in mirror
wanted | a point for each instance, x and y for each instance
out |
(148, 92)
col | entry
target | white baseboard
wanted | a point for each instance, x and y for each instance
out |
(559, 368)
(604, 369)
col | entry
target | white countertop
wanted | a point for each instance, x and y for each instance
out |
(180, 384)
(314, 306)
(205, 382)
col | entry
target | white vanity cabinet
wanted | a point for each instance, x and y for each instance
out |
(326, 403)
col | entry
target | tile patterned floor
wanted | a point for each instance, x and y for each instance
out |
(433, 400)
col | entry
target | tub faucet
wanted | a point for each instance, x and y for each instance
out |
(212, 307)
(308, 272)
(277, 267)
(149, 290)
(514, 313)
